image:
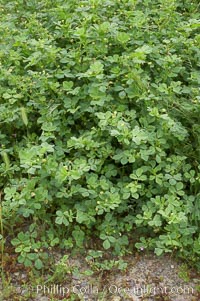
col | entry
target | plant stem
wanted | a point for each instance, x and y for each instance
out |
(2, 243)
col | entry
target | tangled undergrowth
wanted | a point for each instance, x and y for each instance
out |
(99, 112)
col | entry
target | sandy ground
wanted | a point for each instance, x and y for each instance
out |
(146, 277)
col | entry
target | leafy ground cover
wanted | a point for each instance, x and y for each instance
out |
(100, 127)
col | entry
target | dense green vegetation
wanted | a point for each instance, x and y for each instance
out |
(100, 126)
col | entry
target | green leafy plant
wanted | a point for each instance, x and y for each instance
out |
(61, 270)
(184, 273)
(97, 263)
(28, 248)
(99, 112)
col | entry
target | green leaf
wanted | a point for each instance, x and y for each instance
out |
(123, 37)
(135, 195)
(97, 67)
(111, 239)
(27, 249)
(54, 242)
(15, 241)
(31, 256)
(24, 116)
(37, 206)
(79, 236)
(139, 172)
(106, 244)
(179, 186)
(81, 217)
(62, 174)
(38, 264)
(172, 182)
(67, 85)
(61, 220)
(159, 251)
(75, 174)
(103, 236)
(126, 195)
(27, 262)
(6, 159)
(19, 249)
